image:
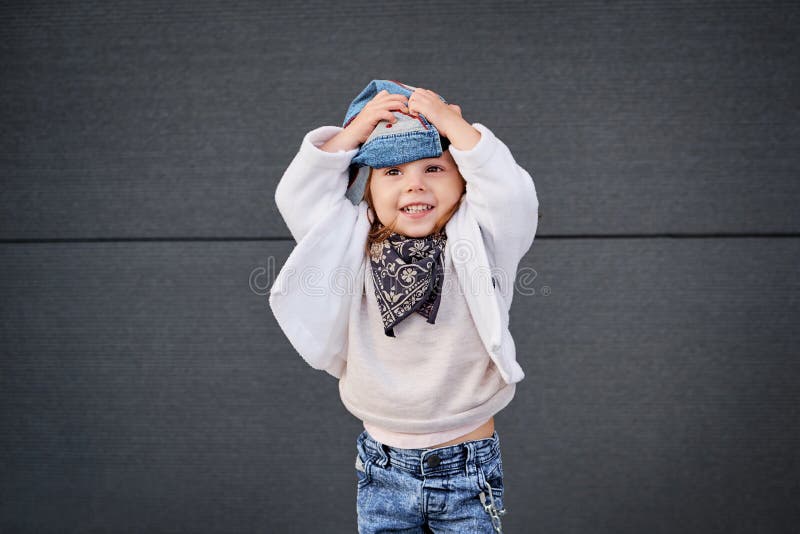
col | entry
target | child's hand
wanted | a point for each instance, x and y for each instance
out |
(376, 110)
(363, 124)
(442, 116)
(445, 117)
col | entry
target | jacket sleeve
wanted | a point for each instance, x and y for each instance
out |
(502, 197)
(314, 183)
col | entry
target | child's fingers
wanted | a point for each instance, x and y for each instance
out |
(382, 113)
(396, 105)
(423, 97)
(424, 93)
(384, 96)
(398, 99)
(389, 101)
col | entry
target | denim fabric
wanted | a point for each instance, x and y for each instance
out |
(408, 139)
(429, 490)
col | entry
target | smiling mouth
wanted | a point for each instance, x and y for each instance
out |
(416, 209)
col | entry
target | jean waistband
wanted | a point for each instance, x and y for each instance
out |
(447, 460)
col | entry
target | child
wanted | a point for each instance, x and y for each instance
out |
(400, 286)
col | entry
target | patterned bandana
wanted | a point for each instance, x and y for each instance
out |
(408, 273)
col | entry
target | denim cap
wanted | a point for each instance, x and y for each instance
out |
(408, 139)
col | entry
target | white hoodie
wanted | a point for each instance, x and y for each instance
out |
(323, 277)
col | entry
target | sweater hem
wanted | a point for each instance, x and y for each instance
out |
(480, 413)
(409, 440)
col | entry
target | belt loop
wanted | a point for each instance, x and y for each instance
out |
(384, 455)
(470, 457)
(381, 458)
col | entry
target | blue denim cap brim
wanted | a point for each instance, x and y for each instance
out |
(397, 149)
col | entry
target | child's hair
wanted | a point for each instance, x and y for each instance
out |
(378, 232)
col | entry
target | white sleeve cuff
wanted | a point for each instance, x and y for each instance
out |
(314, 139)
(477, 156)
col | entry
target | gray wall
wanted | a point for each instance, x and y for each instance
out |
(145, 385)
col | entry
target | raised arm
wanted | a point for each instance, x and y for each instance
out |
(500, 194)
(314, 182)
(317, 177)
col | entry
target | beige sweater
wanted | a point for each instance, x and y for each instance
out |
(429, 384)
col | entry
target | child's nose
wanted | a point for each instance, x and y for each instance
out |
(415, 180)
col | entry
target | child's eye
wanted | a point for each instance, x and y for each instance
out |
(390, 172)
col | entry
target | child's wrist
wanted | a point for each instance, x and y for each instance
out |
(344, 140)
(462, 135)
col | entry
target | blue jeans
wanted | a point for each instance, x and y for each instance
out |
(453, 489)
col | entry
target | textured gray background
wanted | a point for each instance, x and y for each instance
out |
(146, 387)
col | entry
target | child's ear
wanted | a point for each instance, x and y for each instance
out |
(371, 216)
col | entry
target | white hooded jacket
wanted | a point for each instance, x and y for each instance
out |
(323, 277)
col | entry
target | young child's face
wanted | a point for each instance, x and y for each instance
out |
(432, 181)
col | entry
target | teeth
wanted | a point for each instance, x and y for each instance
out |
(416, 208)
